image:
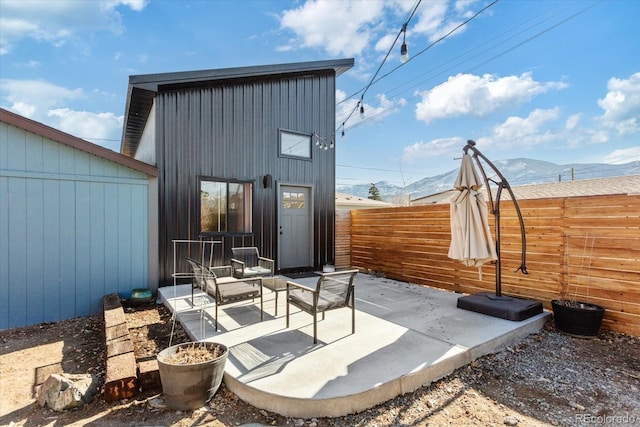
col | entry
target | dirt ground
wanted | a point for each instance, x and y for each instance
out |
(548, 378)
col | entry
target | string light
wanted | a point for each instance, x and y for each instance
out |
(321, 142)
(404, 52)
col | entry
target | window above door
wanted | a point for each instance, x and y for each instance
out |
(294, 144)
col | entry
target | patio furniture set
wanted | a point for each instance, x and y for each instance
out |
(249, 273)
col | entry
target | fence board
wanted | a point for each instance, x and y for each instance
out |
(412, 243)
(343, 239)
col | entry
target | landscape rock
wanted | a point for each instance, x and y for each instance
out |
(66, 391)
(510, 421)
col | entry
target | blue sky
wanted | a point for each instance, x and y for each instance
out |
(543, 79)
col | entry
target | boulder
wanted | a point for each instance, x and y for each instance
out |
(66, 391)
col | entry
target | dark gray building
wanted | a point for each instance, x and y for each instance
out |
(238, 159)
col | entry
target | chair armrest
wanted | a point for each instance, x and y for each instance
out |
(236, 263)
(237, 267)
(299, 286)
(222, 270)
(266, 263)
(184, 275)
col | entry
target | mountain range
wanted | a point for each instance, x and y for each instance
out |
(515, 171)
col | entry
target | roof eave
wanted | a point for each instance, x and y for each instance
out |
(153, 81)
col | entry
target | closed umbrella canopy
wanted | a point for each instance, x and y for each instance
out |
(471, 241)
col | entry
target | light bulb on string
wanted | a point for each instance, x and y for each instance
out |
(404, 52)
(324, 143)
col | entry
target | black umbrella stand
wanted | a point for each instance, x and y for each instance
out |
(496, 304)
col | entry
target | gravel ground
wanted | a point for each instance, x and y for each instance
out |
(548, 378)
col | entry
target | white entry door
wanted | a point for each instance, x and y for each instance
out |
(295, 230)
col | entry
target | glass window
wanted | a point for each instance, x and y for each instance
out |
(293, 200)
(295, 144)
(225, 207)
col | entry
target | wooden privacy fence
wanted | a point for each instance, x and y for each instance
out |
(586, 246)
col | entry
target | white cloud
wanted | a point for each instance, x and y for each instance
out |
(340, 28)
(350, 109)
(433, 149)
(36, 97)
(623, 155)
(46, 103)
(437, 19)
(385, 42)
(344, 107)
(349, 27)
(621, 105)
(23, 109)
(462, 6)
(137, 5)
(430, 18)
(101, 128)
(57, 22)
(384, 108)
(478, 95)
(572, 121)
(526, 131)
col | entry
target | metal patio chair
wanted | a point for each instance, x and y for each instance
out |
(247, 262)
(332, 291)
(219, 283)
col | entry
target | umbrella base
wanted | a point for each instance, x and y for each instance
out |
(504, 307)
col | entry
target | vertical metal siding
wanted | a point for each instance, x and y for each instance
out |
(73, 227)
(230, 131)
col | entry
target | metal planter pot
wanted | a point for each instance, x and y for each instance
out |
(577, 318)
(190, 386)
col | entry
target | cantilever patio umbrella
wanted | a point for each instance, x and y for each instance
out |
(471, 241)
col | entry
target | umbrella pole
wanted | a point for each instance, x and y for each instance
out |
(495, 210)
(496, 213)
(505, 307)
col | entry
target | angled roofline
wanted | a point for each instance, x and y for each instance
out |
(153, 81)
(75, 142)
(143, 88)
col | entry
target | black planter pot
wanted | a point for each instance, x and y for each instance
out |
(577, 318)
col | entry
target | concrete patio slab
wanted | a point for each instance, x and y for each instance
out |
(406, 336)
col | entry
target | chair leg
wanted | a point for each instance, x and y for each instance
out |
(353, 320)
(315, 326)
(216, 319)
(353, 312)
(276, 314)
(287, 309)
